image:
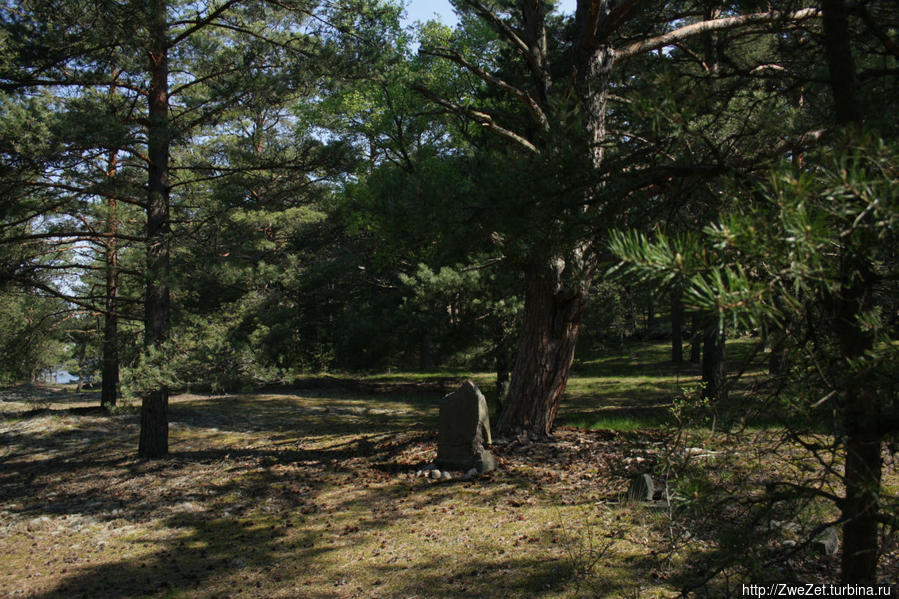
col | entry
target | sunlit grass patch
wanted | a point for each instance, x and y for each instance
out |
(312, 492)
(618, 423)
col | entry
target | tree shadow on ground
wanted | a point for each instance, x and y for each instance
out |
(204, 506)
(88, 470)
(247, 498)
(30, 401)
(206, 548)
(246, 504)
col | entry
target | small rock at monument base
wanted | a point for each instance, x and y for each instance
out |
(641, 488)
(827, 542)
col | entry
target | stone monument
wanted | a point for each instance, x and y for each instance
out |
(464, 430)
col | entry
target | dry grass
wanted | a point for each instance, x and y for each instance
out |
(314, 494)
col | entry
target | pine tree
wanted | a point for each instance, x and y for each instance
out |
(562, 81)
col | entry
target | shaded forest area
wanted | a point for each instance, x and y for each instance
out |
(305, 198)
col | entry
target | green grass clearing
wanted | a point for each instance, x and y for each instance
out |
(313, 493)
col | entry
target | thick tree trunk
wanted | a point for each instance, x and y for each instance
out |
(154, 429)
(695, 339)
(553, 310)
(714, 373)
(677, 325)
(861, 409)
(861, 420)
(110, 380)
(552, 318)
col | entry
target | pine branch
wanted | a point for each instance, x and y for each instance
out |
(871, 23)
(476, 115)
(510, 33)
(201, 23)
(71, 236)
(531, 104)
(701, 27)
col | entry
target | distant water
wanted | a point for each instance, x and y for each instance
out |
(59, 376)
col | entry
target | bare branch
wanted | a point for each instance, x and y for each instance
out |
(531, 104)
(476, 115)
(510, 33)
(686, 31)
(871, 23)
(200, 23)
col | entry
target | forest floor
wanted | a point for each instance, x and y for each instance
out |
(314, 492)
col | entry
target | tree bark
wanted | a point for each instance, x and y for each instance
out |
(677, 325)
(843, 80)
(553, 309)
(501, 359)
(110, 380)
(552, 318)
(81, 359)
(857, 278)
(425, 356)
(861, 420)
(714, 373)
(630, 307)
(154, 407)
(695, 339)
(778, 361)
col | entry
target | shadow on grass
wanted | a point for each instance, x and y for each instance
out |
(207, 435)
(237, 518)
(41, 399)
(249, 518)
(234, 457)
(206, 549)
(637, 390)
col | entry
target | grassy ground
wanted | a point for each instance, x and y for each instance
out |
(313, 493)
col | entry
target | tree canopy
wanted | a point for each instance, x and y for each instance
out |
(234, 192)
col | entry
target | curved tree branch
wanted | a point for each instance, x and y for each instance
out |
(531, 104)
(476, 115)
(666, 39)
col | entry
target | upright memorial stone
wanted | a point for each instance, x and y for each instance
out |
(464, 430)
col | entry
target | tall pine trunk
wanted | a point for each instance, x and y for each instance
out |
(861, 424)
(677, 325)
(695, 338)
(110, 381)
(552, 317)
(857, 278)
(154, 429)
(501, 360)
(553, 307)
(714, 366)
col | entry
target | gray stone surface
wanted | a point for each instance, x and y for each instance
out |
(464, 430)
(641, 488)
(828, 541)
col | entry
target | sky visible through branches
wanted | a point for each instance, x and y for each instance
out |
(423, 10)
